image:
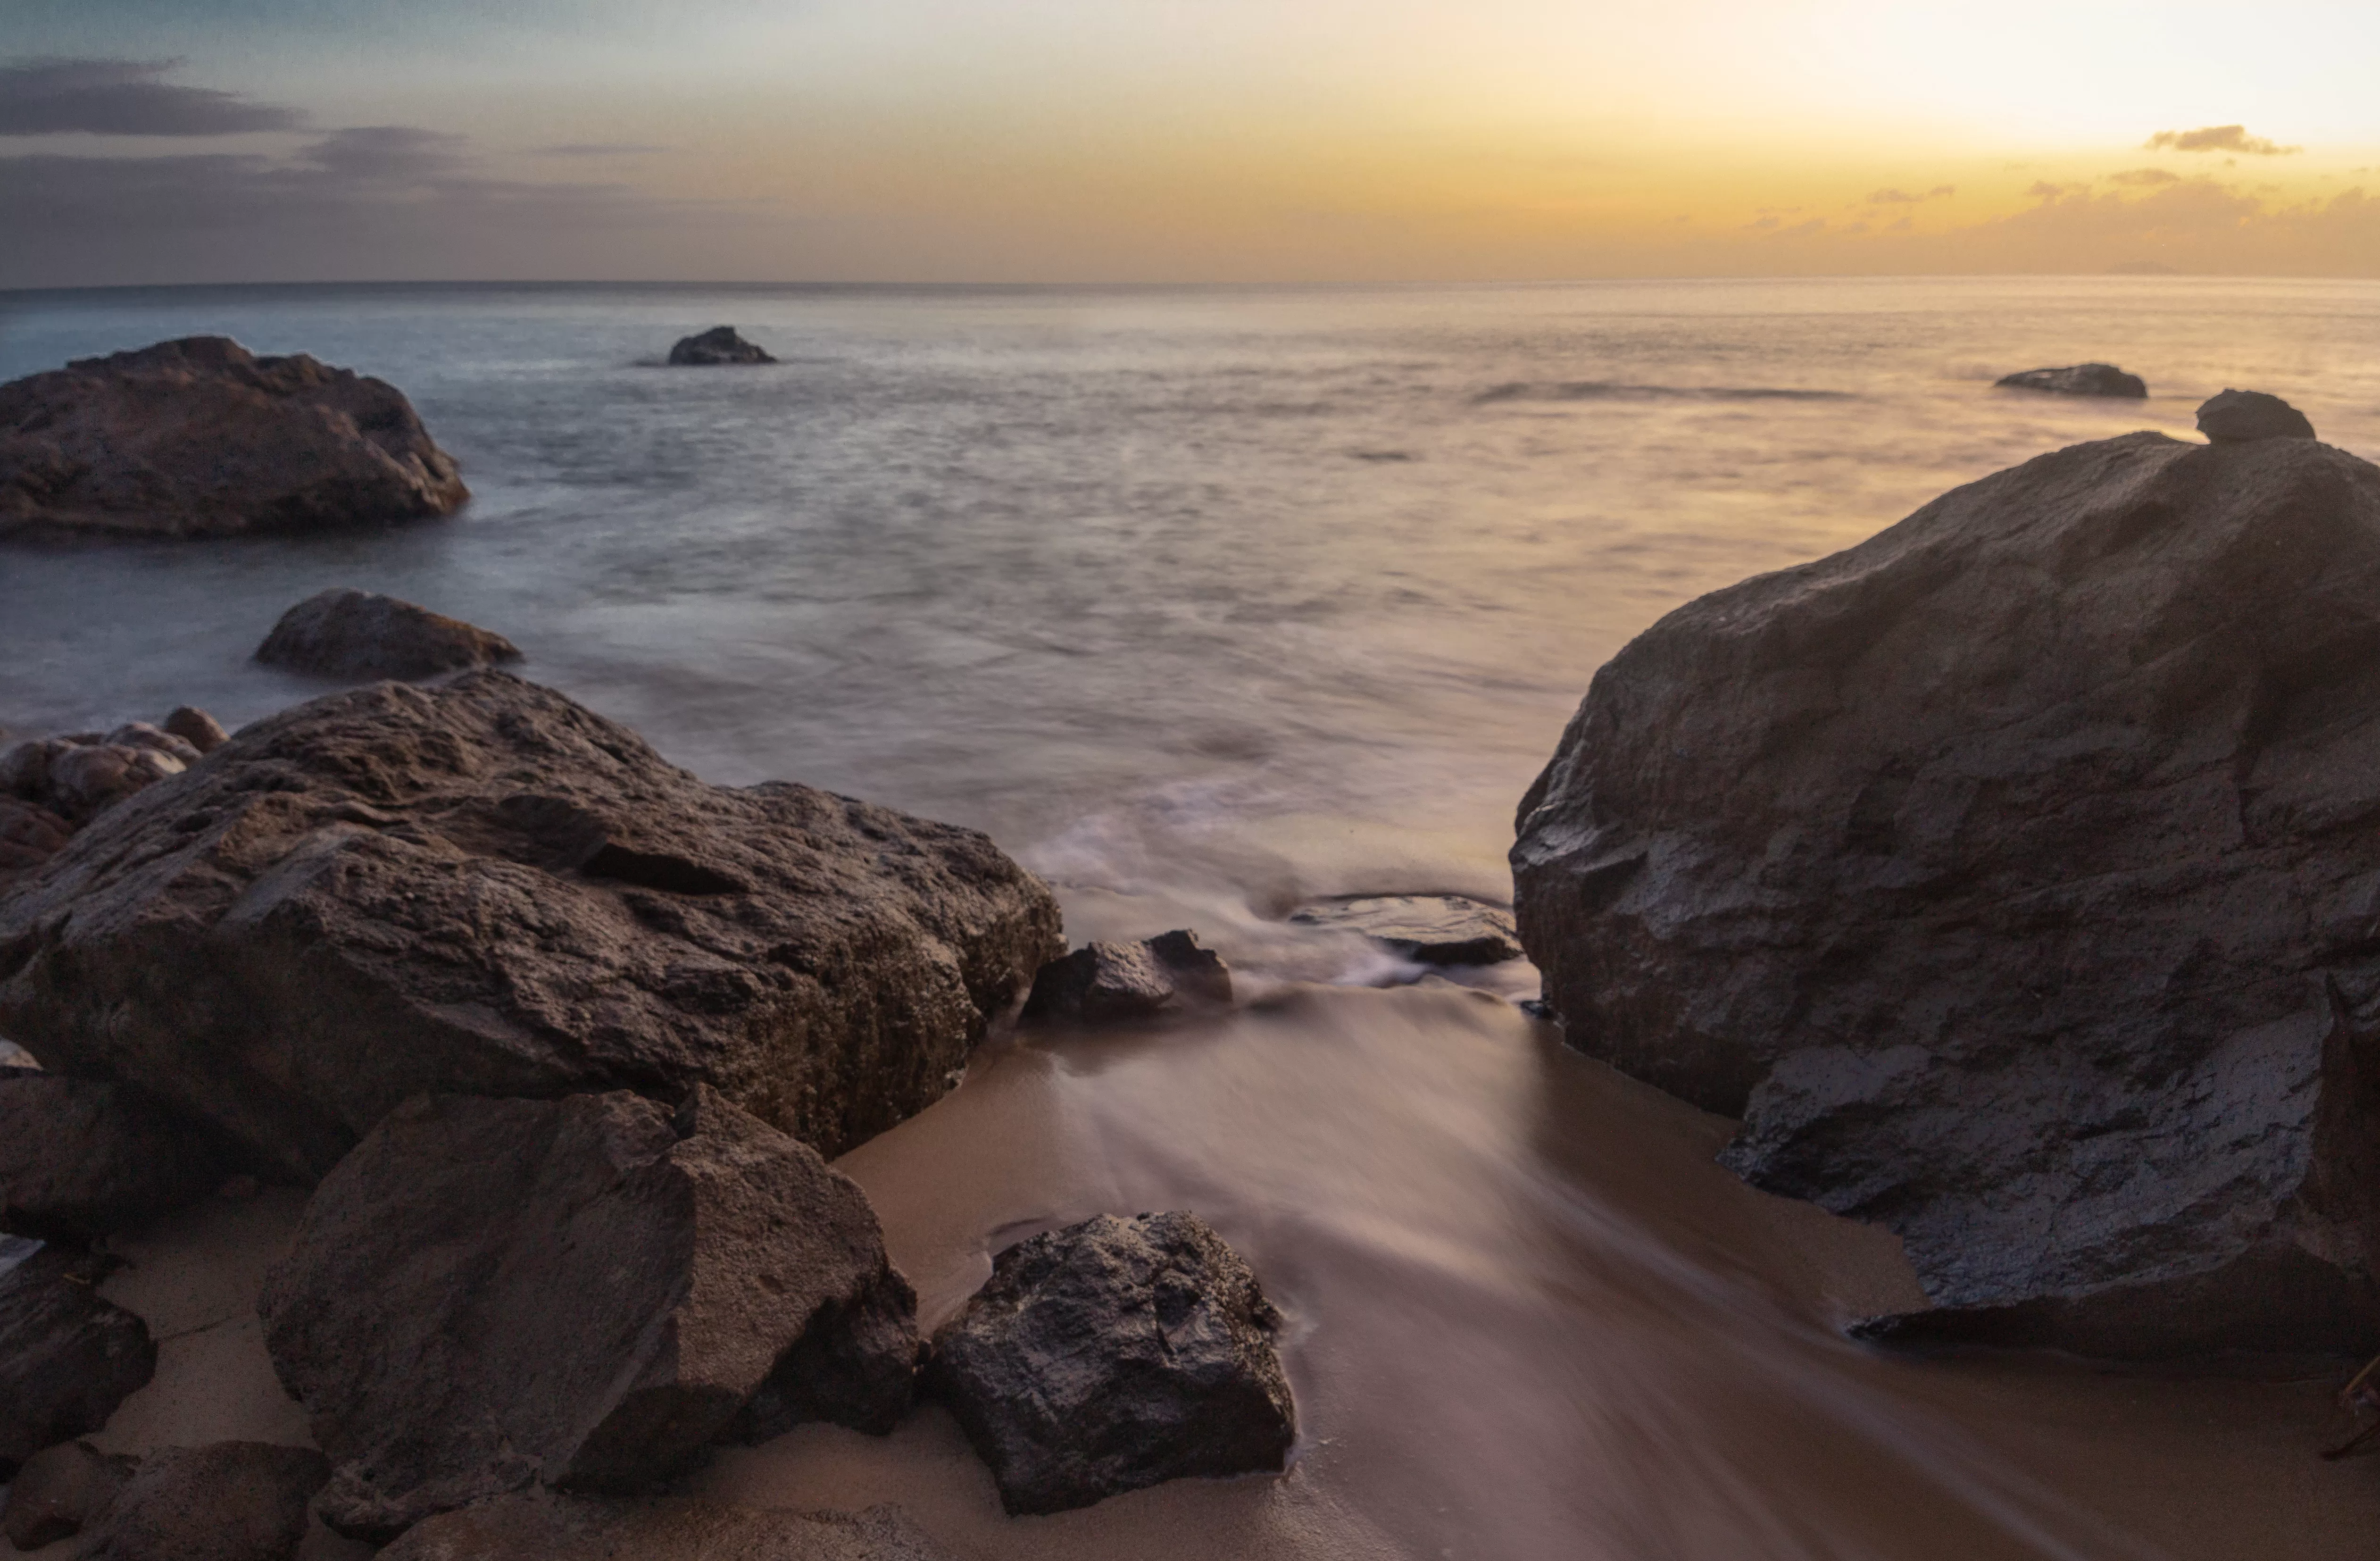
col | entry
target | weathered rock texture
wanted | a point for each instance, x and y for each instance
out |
(1427, 929)
(2081, 379)
(2014, 875)
(1116, 1354)
(551, 1528)
(200, 437)
(348, 633)
(80, 1159)
(228, 1501)
(74, 776)
(718, 345)
(67, 1358)
(483, 888)
(1104, 981)
(198, 729)
(60, 1490)
(2239, 417)
(30, 836)
(584, 1292)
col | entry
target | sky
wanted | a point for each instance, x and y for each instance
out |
(1165, 140)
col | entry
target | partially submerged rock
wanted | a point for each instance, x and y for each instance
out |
(718, 345)
(483, 888)
(228, 1501)
(80, 1159)
(200, 437)
(60, 1490)
(583, 1292)
(67, 1357)
(1113, 1354)
(1105, 981)
(2081, 379)
(1427, 929)
(556, 1528)
(358, 634)
(2012, 875)
(2239, 417)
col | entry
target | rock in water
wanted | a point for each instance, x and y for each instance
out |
(67, 1358)
(59, 1491)
(2082, 379)
(1115, 1354)
(718, 345)
(584, 1292)
(2012, 874)
(200, 437)
(1427, 929)
(229, 1501)
(80, 1159)
(482, 888)
(551, 1528)
(2239, 417)
(347, 633)
(1104, 981)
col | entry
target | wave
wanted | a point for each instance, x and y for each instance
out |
(1606, 390)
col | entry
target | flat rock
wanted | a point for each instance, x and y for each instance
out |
(1104, 981)
(585, 1292)
(60, 1490)
(228, 1501)
(200, 437)
(1428, 928)
(2237, 417)
(482, 888)
(2012, 876)
(718, 345)
(67, 1357)
(80, 1159)
(348, 633)
(557, 1527)
(1113, 1354)
(2081, 379)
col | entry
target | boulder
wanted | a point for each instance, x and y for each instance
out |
(198, 729)
(718, 345)
(2012, 876)
(1427, 929)
(361, 634)
(67, 1358)
(584, 1292)
(80, 1159)
(556, 1527)
(1105, 981)
(30, 836)
(60, 1490)
(229, 1501)
(77, 776)
(1113, 1355)
(200, 437)
(2082, 379)
(482, 888)
(2238, 417)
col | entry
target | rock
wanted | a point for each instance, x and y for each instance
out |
(30, 836)
(551, 1528)
(60, 1490)
(2012, 874)
(1428, 928)
(75, 777)
(482, 888)
(2082, 379)
(198, 729)
(718, 345)
(67, 1358)
(346, 633)
(585, 1292)
(229, 1501)
(200, 437)
(1103, 981)
(1115, 1354)
(2237, 417)
(80, 1159)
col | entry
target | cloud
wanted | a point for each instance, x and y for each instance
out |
(2042, 189)
(1902, 197)
(2218, 137)
(116, 97)
(2142, 177)
(603, 149)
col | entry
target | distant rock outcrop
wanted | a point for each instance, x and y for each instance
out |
(2081, 379)
(358, 634)
(200, 437)
(1427, 929)
(718, 345)
(1103, 981)
(2241, 416)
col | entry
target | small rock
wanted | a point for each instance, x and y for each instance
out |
(67, 1358)
(198, 729)
(2238, 417)
(230, 1501)
(1429, 929)
(346, 633)
(2082, 379)
(80, 1159)
(1103, 982)
(1113, 1355)
(140, 734)
(718, 345)
(551, 1528)
(60, 1490)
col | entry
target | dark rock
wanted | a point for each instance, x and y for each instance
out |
(482, 888)
(30, 836)
(2082, 379)
(198, 729)
(2012, 875)
(76, 778)
(1428, 928)
(200, 437)
(229, 1501)
(718, 345)
(67, 1358)
(585, 1292)
(552, 1527)
(60, 1490)
(2238, 417)
(80, 1159)
(348, 633)
(1115, 1354)
(1103, 981)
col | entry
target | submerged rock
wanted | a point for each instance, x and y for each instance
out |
(583, 1292)
(80, 1159)
(2011, 875)
(2239, 417)
(348, 633)
(552, 1527)
(482, 888)
(1104, 981)
(67, 1357)
(1113, 1354)
(1428, 928)
(718, 345)
(2081, 379)
(60, 1492)
(228, 1501)
(200, 437)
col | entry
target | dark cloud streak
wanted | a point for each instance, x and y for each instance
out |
(119, 97)
(2218, 137)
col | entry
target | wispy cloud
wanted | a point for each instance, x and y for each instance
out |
(48, 97)
(2143, 178)
(2218, 137)
(1903, 198)
(603, 149)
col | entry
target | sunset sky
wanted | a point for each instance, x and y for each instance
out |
(170, 140)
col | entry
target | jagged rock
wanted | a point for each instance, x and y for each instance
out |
(2012, 875)
(80, 1159)
(2082, 379)
(483, 888)
(585, 1292)
(2238, 417)
(1104, 981)
(347, 633)
(198, 729)
(718, 345)
(67, 1358)
(1428, 928)
(1115, 1354)
(551, 1528)
(200, 437)
(30, 836)
(228, 1501)
(60, 1490)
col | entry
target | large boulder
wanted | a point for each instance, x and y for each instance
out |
(585, 1293)
(1105, 982)
(200, 437)
(482, 888)
(357, 634)
(2012, 875)
(67, 1357)
(228, 1501)
(1113, 1354)
(552, 1527)
(2081, 379)
(718, 345)
(80, 1159)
